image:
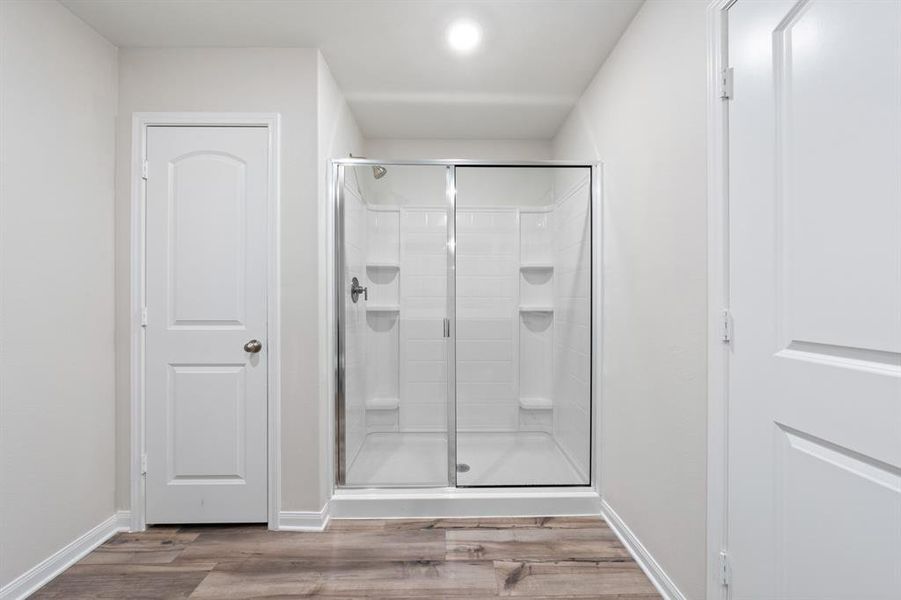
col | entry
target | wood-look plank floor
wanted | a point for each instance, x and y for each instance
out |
(537, 558)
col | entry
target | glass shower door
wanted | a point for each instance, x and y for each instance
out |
(393, 328)
(523, 326)
(464, 300)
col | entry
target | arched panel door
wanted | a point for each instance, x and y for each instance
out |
(206, 354)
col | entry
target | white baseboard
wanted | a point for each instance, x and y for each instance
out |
(28, 582)
(303, 521)
(651, 567)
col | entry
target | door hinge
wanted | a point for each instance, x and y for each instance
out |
(446, 327)
(143, 464)
(727, 326)
(725, 576)
(145, 169)
(726, 83)
(144, 316)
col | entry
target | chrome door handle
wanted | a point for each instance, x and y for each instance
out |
(253, 346)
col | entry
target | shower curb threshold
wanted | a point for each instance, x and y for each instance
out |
(442, 503)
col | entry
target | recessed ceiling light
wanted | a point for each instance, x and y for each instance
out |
(464, 36)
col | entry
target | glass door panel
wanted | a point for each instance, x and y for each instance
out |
(392, 237)
(523, 326)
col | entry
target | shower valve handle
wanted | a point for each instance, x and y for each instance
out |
(356, 289)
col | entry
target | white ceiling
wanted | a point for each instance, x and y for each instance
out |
(391, 59)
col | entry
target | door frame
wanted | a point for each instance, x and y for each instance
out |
(141, 121)
(720, 327)
(718, 300)
(331, 239)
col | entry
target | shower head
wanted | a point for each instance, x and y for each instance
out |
(378, 171)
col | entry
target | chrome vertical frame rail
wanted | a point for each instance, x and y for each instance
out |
(451, 339)
(595, 213)
(341, 322)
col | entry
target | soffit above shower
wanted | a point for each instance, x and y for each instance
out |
(391, 58)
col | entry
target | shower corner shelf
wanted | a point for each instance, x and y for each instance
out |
(536, 403)
(382, 308)
(536, 309)
(382, 403)
(383, 264)
(536, 266)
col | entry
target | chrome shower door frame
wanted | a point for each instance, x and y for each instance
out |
(340, 329)
(451, 341)
(337, 172)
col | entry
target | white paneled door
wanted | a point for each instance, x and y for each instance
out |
(814, 486)
(206, 354)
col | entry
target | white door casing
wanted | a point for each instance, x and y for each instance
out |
(814, 426)
(206, 289)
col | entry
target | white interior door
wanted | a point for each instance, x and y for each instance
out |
(206, 397)
(814, 457)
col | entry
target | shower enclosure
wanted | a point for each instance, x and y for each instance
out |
(465, 313)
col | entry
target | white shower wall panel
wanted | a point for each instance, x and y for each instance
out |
(382, 369)
(423, 402)
(486, 266)
(536, 320)
(384, 236)
(423, 303)
(536, 355)
(536, 238)
(382, 319)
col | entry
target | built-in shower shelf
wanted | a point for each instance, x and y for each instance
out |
(382, 308)
(383, 264)
(536, 309)
(536, 267)
(535, 403)
(382, 403)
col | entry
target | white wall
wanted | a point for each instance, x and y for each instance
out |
(644, 116)
(57, 422)
(282, 80)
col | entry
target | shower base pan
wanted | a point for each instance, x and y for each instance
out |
(392, 459)
(410, 469)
